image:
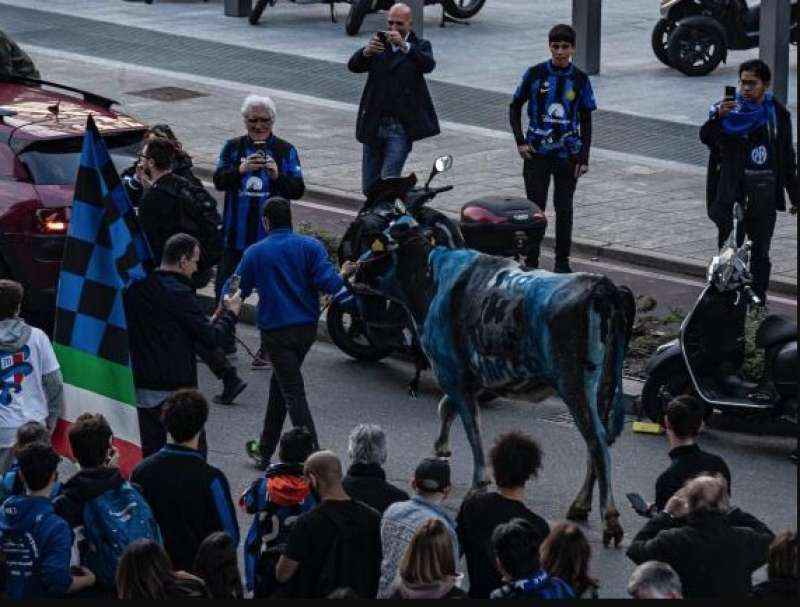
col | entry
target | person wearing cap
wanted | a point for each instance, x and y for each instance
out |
(431, 485)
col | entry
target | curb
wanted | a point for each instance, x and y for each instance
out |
(631, 387)
(583, 246)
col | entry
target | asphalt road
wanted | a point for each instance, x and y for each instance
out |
(343, 392)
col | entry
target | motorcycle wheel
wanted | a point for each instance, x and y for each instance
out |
(462, 9)
(662, 385)
(659, 39)
(355, 17)
(255, 13)
(695, 51)
(348, 334)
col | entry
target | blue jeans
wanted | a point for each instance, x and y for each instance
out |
(385, 156)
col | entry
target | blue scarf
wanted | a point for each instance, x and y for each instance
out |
(747, 116)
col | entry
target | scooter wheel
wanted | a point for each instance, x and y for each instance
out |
(659, 39)
(662, 385)
(347, 333)
(695, 50)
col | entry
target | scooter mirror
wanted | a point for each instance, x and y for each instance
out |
(443, 163)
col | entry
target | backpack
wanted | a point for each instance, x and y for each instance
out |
(111, 521)
(198, 216)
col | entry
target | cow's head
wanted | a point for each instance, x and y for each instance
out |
(396, 264)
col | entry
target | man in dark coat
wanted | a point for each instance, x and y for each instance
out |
(396, 108)
(752, 161)
(714, 549)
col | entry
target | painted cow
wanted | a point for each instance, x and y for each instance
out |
(486, 325)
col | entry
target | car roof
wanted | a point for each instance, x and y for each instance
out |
(37, 104)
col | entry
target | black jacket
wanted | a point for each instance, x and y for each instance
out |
(160, 213)
(781, 588)
(687, 462)
(165, 320)
(182, 167)
(711, 134)
(84, 486)
(402, 76)
(714, 554)
(367, 483)
(190, 499)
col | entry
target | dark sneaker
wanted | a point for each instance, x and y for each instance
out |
(251, 447)
(230, 391)
(261, 361)
(562, 267)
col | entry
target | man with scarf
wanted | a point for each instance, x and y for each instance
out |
(752, 162)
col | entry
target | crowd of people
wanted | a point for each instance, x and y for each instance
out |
(318, 529)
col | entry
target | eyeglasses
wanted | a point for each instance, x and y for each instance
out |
(560, 47)
(259, 120)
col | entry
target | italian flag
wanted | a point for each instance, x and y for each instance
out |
(96, 385)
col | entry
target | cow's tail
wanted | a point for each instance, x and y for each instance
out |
(618, 310)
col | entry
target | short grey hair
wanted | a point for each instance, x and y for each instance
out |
(367, 445)
(654, 580)
(254, 101)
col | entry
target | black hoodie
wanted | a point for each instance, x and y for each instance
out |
(86, 485)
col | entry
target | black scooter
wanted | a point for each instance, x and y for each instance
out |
(694, 36)
(707, 358)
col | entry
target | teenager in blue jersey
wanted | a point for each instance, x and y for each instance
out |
(560, 104)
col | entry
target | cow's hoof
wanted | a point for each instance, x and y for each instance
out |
(613, 530)
(578, 513)
(443, 451)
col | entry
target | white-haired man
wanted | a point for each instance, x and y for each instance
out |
(251, 169)
(655, 580)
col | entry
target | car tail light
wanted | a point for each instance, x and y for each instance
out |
(481, 215)
(52, 221)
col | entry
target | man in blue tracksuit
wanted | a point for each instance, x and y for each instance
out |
(35, 541)
(289, 271)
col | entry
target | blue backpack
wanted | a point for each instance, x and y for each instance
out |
(111, 521)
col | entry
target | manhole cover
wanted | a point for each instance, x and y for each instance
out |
(167, 93)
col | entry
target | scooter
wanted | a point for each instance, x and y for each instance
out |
(261, 5)
(452, 11)
(694, 36)
(706, 359)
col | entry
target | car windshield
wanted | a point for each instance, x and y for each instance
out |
(56, 162)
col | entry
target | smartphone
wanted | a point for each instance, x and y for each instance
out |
(381, 36)
(730, 92)
(261, 147)
(233, 284)
(638, 503)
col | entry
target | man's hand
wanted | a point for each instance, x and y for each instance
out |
(272, 168)
(396, 38)
(113, 458)
(233, 303)
(254, 162)
(726, 105)
(349, 268)
(525, 151)
(141, 177)
(374, 47)
(581, 170)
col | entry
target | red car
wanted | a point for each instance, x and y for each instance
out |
(41, 132)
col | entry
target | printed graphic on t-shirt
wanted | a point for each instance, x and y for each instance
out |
(14, 368)
(759, 155)
(254, 186)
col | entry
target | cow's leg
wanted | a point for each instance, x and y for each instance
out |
(470, 417)
(447, 413)
(580, 508)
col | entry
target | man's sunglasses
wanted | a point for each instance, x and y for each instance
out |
(259, 120)
(560, 47)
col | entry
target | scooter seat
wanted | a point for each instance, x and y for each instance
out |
(775, 330)
(751, 18)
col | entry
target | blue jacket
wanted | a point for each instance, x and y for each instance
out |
(288, 270)
(537, 585)
(12, 485)
(37, 544)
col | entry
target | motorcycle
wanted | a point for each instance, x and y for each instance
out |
(706, 359)
(370, 327)
(454, 9)
(694, 36)
(258, 8)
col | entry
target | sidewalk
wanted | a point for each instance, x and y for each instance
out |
(634, 206)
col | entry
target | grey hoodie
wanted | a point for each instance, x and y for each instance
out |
(15, 333)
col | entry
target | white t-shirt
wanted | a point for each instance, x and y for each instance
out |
(22, 397)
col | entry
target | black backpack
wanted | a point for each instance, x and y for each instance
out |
(199, 217)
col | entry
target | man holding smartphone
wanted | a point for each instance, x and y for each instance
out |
(396, 108)
(752, 161)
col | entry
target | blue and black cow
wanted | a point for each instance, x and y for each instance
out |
(487, 325)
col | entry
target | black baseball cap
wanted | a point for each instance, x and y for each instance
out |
(432, 474)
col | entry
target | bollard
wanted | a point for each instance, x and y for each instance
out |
(238, 8)
(586, 16)
(417, 15)
(774, 44)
